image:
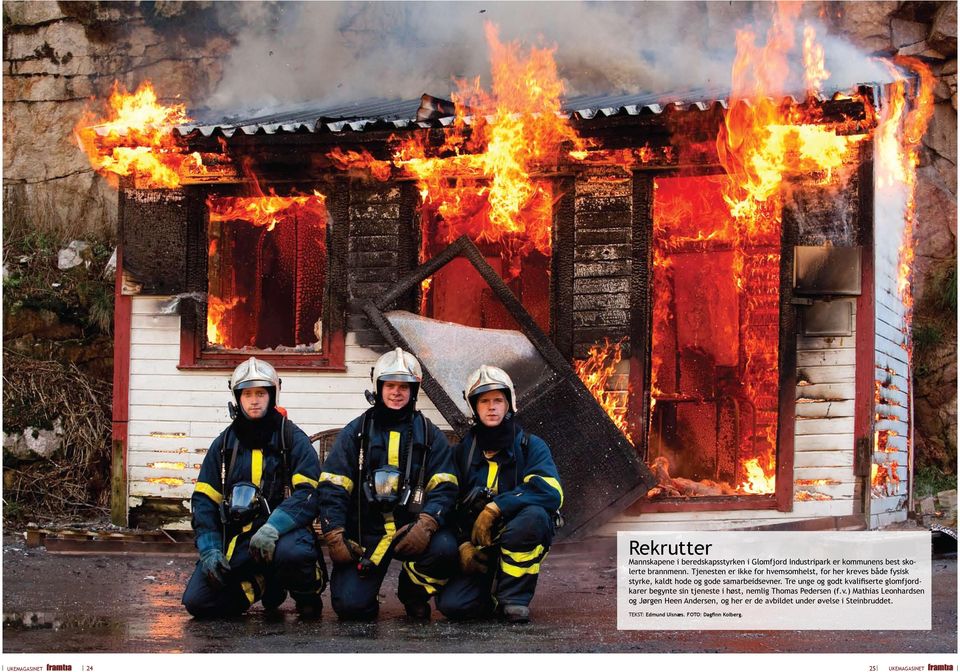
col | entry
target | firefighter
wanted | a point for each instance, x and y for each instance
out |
(254, 506)
(386, 490)
(510, 494)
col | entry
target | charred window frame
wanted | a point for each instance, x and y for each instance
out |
(194, 350)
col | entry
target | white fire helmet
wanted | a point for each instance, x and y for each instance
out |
(486, 379)
(397, 365)
(254, 373)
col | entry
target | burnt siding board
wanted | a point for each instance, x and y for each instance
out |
(563, 284)
(603, 208)
(153, 232)
(825, 214)
(377, 247)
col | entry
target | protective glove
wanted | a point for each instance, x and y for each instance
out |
(472, 559)
(263, 543)
(342, 551)
(483, 527)
(215, 566)
(415, 537)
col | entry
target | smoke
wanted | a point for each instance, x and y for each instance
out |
(327, 53)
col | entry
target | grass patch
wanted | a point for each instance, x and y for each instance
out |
(928, 480)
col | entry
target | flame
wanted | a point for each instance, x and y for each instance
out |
(760, 141)
(481, 181)
(165, 480)
(898, 137)
(424, 293)
(757, 481)
(135, 138)
(167, 465)
(884, 479)
(362, 162)
(216, 311)
(816, 481)
(807, 496)
(814, 64)
(265, 210)
(596, 372)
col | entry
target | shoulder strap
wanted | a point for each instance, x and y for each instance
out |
(286, 445)
(233, 458)
(473, 447)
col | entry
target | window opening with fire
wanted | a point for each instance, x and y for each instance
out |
(519, 249)
(266, 273)
(715, 343)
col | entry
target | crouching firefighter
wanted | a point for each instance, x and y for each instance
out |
(254, 506)
(510, 497)
(386, 490)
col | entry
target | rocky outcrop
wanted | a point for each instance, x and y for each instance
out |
(57, 56)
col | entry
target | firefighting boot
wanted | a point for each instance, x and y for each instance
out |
(273, 596)
(516, 613)
(309, 607)
(417, 611)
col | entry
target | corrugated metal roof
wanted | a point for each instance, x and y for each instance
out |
(382, 114)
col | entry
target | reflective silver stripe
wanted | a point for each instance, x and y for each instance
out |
(437, 479)
(337, 479)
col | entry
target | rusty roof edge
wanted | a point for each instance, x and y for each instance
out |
(322, 123)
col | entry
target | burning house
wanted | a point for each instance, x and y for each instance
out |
(724, 274)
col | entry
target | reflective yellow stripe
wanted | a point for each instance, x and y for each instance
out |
(233, 542)
(437, 479)
(389, 529)
(409, 566)
(429, 585)
(525, 556)
(209, 491)
(337, 479)
(393, 449)
(248, 591)
(552, 482)
(493, 471)
(256, 467)
(300, 478)
(513, 570)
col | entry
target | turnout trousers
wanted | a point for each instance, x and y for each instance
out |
(295, 567)
(512, 579)
(354, 597)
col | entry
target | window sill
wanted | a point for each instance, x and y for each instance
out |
(281, 362)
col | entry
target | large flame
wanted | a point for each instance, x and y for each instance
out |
(134, 138)
(898, 137)
(514, 131)
(596, 372)
(481, 181)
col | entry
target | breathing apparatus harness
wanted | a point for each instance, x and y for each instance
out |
(245, 501)
(472, 503)
(383, 488)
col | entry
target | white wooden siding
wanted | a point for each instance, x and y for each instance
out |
(174, 415)
(892, 359)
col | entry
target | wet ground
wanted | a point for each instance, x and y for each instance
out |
(101, 604)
